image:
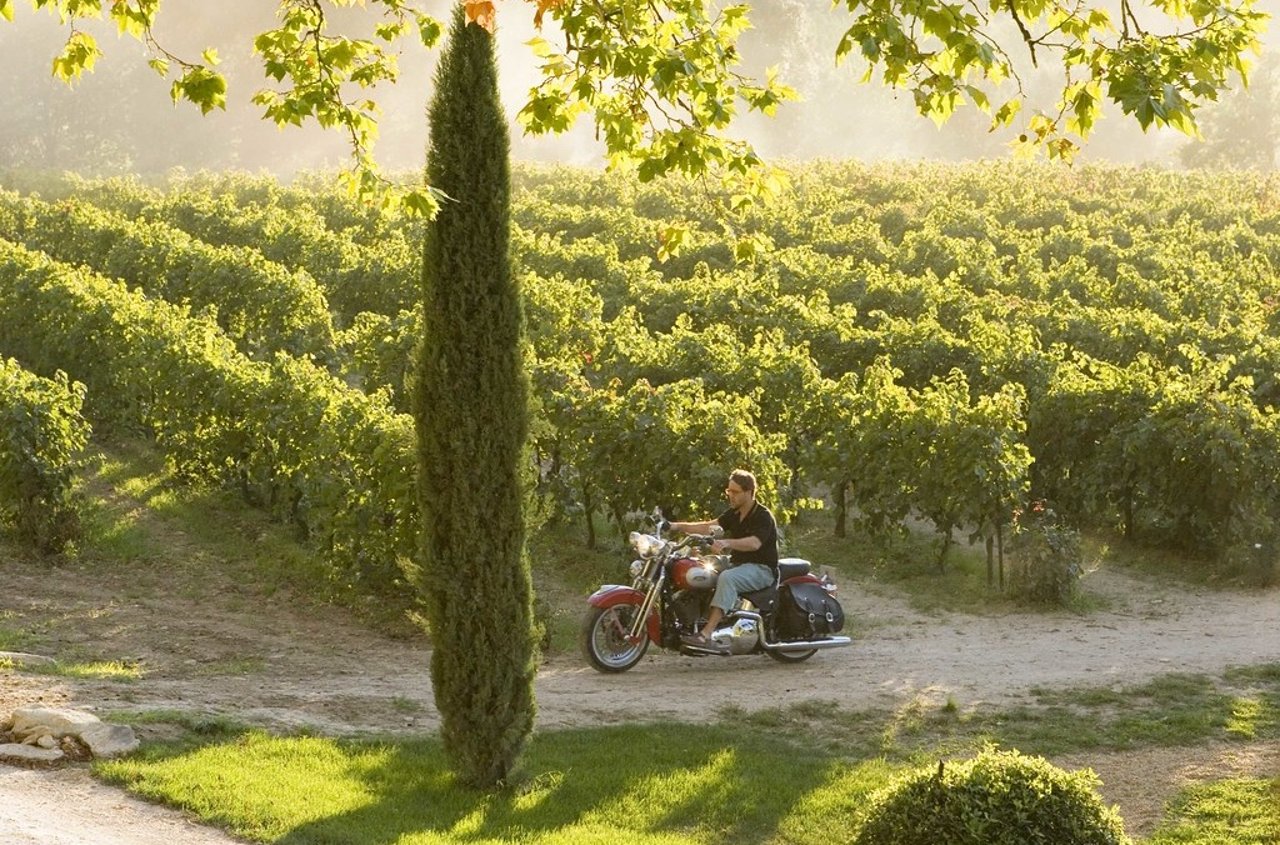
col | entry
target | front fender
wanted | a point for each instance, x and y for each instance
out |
(612, 595)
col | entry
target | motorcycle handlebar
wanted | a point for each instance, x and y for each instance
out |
(698, 541)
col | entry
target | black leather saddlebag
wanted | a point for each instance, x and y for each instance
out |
(807, 612)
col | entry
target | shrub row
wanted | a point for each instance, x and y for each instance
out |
(382, 278)
(42, 435)
(335, 461)
(916, 333)
(261, 305)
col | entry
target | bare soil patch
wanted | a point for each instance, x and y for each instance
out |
(218, 647)
(1141, 782)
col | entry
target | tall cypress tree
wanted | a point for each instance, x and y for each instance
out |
(472, 418)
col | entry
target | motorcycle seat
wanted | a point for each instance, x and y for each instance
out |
(766, 599)
(790, 567)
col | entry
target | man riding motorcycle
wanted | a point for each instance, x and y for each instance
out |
(751, 536)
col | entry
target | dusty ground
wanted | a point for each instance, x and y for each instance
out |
(216, 648)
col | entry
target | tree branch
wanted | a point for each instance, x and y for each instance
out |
(1026, 34)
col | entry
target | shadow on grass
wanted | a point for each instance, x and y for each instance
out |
(800, 774)
(643, 783)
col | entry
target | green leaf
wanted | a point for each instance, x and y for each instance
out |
(429, 30)
(1085, 108)
(978, 97)
(79, 54)
(420, 204)
(201, 86)
(672, 239)
(341, 53)
(390, 31)
(1063, 149)
(540, 47)
(937, 21)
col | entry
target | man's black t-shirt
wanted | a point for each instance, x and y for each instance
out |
(759, 523)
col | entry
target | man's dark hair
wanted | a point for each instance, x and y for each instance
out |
(744, 479)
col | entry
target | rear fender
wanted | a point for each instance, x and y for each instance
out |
(829, 586)
(612, 595)
(803, 579)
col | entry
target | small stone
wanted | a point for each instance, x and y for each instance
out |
(30, 734)
(47, 741)
(28, 755)
(106, 740)
(75, 749)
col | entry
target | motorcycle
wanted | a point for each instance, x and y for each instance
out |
(670, 596)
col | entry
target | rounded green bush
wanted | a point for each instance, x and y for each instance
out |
(997, 798)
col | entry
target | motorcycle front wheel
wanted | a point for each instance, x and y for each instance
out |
(604, 638)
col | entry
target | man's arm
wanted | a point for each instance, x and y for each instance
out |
(694, 527)
(738, 544)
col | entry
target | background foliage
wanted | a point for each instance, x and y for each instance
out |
(926, 341)
(42, 435)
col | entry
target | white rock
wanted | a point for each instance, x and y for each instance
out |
(21, 658)
(55, 721)
(15, 753)
(44, 726)
(106, 740)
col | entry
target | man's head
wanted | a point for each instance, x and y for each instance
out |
(741, 487)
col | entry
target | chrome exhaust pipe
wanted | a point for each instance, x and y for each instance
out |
(812, 645)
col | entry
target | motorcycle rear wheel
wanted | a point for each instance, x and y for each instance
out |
(791, 656)
(604, 638)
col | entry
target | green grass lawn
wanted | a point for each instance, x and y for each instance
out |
(1239, 811)
(643, 783)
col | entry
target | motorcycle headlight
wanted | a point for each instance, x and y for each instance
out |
(645, 545)
(637, 567)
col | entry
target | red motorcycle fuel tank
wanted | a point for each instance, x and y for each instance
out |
(693, 574)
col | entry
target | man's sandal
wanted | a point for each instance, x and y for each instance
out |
(700, 643)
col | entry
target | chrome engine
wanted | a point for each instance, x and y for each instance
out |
(742, 636)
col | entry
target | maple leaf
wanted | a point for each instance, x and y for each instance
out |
(543, 7)
(481, 13)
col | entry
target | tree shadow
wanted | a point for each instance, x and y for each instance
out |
(629, 783)
(597, 784)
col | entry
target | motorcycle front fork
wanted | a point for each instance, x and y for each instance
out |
(640, 623)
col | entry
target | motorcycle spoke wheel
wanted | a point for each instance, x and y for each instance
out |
(604, 638)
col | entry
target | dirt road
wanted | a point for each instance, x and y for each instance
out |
(315, 667)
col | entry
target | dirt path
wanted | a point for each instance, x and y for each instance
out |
(68, 807)
(215, 650)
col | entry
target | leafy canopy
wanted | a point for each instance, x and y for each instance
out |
(1158, 60)
(663, 81)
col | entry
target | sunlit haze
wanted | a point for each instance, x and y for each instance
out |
(120, 118)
